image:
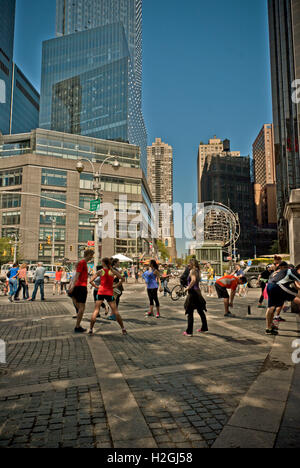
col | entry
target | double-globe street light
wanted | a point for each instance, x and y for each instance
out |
(98, 198)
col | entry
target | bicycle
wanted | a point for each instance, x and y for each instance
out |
(178, 292)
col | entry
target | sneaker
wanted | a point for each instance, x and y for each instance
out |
(112, 318)
(260, 306)
(229, 315)
(124, 332)
(149, 315)
(272, 332)
(186, 334)
(279, 319)
(10, 299)
(274, 327)
(158, 316)
(91, 332)
(80, 330)
(202, 331)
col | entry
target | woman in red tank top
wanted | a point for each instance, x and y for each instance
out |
(106, 293)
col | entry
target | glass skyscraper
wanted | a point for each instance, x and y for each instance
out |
(88, 87)
(285, 68)
(91, 72)
(7, 29)
(76, 15)
(19, 101)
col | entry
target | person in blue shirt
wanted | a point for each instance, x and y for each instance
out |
(152, 279)
(13, 281)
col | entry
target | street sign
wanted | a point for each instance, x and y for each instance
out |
(95, 205)
(91, 244)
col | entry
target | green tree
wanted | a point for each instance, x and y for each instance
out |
(274, 248)
(5, 250)
(163, 251)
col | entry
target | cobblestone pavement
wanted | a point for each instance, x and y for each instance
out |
(186, 389)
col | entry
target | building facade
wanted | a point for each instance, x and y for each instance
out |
(160, 181)
(42, 165)
(19, 100)
(284, 23)
(225, 177)
(88, 87)
(73, 16)
(265, 177)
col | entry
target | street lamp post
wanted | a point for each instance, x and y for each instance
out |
(53, 240)
(98, 196)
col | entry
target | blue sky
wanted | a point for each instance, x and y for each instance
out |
(206, 72)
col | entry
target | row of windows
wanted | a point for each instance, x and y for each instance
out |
(111, 184)
(12, 200)
(54, 178)
(11, 178)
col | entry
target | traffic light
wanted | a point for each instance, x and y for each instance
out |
(41, 246)
(49, 240)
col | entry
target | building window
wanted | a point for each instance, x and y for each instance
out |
(61, 196)
(112, 184)
(60, 234)
(45, 252)
(84, 220)
(12, 200)
(84, 201)
(54, 178)
(9, 232)
(11, 178)
(47, 216)
(86, 235)
(11, 218)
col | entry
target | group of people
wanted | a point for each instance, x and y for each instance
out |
(61, 281)
(18, 281)
(108, 286)
(280, 284)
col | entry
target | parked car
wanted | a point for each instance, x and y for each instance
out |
(252, 274)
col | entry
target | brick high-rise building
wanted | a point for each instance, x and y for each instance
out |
(225, 177)
(265, 177)
(265, 189)
(160, 181)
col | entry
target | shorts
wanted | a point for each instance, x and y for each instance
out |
(277, 296)
(108, 299)
(80, 294)
(222, 292)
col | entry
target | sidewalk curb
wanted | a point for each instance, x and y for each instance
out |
(257, 420)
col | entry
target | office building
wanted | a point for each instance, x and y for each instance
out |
(265, 190)
(225, 177)
(265, 177)
(160, 181)
(74, 16)
(43, 163)
(88, 87)
(19, 100)
(284, 23)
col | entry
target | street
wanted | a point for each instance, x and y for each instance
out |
(153, 388)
